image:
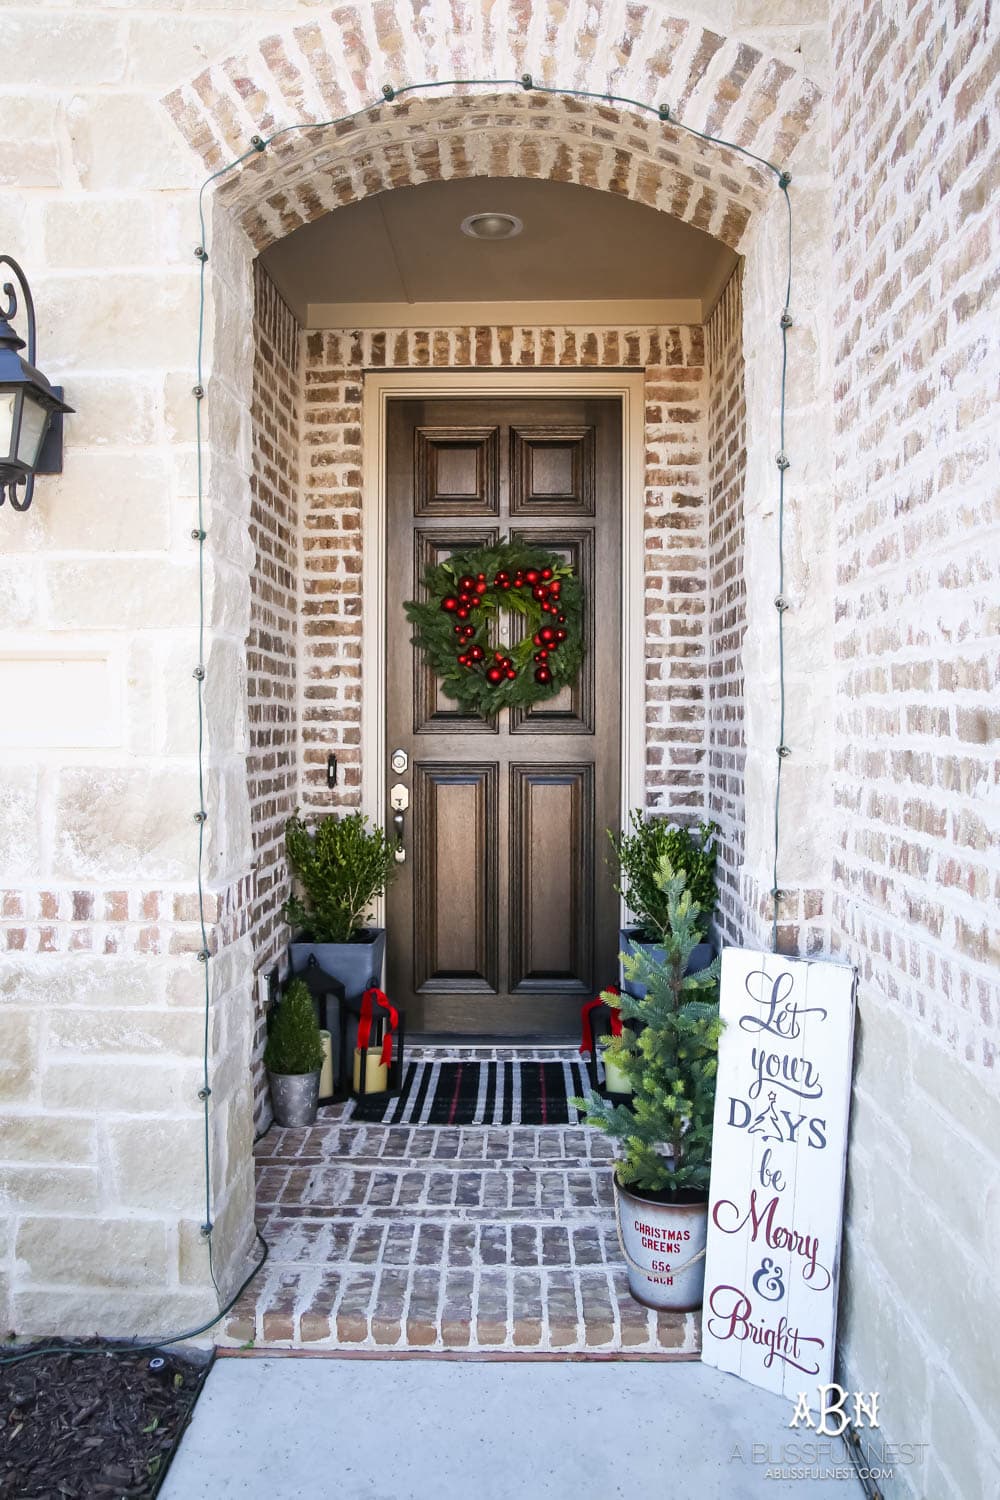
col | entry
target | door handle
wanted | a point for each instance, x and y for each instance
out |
(398, 823)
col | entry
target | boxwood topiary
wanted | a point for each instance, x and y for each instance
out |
(293, 1044)
(640, 852)
(342, 865)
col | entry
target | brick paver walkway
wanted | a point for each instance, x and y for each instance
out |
(443, 1237)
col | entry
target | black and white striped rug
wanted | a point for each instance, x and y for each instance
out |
(436, 1092)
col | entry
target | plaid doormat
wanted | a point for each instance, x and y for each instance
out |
(482, 1093)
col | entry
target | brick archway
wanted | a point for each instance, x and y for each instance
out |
(322, 70)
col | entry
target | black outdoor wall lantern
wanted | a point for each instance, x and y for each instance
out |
(31, 410)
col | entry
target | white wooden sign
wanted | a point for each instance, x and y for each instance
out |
(779, 1152)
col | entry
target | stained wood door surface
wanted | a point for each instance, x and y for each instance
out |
(503, 919)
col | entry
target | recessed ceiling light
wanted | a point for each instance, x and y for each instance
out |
(492, 226)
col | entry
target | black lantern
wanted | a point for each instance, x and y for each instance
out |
(31, 410)
(378, 1036)
(597, 1019)
(328, 998)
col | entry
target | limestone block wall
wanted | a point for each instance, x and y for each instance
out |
(917, 865)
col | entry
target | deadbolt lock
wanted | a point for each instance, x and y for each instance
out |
(399, 797)
(400, 761)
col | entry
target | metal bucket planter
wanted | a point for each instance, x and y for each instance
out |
(294, 1097)
(664, 1248)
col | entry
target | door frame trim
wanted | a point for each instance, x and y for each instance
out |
(380, 387)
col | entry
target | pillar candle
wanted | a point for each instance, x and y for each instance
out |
(615, 1080)
(326, 1072)
(376, 1072)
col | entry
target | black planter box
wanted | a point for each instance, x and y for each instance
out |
(630, 942)
(357, 964)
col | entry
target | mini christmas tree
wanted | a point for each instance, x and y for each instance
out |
(294, 1045)
(666, 1135)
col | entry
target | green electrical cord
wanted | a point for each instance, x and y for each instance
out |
(124, 1346)
(199, 535)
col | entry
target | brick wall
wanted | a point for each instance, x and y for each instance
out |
(676, 586)
(103, 1033)
(273, 639)
(916, 869)
(726, 458)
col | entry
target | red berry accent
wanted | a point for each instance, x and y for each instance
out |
(511, 675)
(532, 575)
(468, 582)
(494, 675)
(560, 635)
(477, 653)
(561, 619)
(546, 634)
(541, 656)
(481, 586)
(449, 603)
(546, 573)
(539, 593)
(543, 675)
(555, 586)
(462, 612)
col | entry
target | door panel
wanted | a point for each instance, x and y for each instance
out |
(456, 471)
(552, 471)
(571, 711)
(552, 878)
(503, 918)
(455, 809)
(433, 711)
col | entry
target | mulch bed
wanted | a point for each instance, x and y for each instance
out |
(77, 1424)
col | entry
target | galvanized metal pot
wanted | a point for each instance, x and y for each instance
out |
(294, 1097)
(664, 1247)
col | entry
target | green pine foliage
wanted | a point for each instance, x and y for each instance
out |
(342, 865)
(293, 1045)
(434, 628)
(665, 1139)
(639, 852)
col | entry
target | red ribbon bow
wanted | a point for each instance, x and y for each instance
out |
(587, 1042)
(365, 1023)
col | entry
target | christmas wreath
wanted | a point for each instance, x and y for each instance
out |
(455, 625)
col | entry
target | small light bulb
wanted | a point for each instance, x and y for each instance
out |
(492, 226)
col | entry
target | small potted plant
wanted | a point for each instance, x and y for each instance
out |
(638, 853)
(341, 865)
(665, 1132)
(293, 1057)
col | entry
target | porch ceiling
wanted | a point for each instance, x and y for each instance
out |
(578, 244)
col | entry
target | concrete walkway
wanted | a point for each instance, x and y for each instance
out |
(296, 1428)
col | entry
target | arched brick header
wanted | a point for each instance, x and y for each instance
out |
(326, 69)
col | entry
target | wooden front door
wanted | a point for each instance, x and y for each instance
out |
(503, 919)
